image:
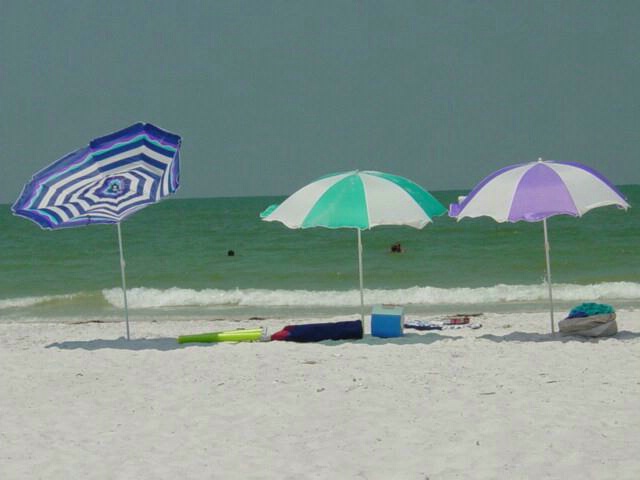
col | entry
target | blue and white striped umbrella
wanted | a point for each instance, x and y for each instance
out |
(106, 181)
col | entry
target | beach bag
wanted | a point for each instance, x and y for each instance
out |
(317, 332)
(603, 325)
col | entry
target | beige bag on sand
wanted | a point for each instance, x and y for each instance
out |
(593, 326)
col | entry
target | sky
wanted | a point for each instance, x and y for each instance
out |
(269, 95)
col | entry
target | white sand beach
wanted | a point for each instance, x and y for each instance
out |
(506, 401)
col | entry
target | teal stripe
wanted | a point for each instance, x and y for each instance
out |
(269, 210)
(428, 203)
(342, 205)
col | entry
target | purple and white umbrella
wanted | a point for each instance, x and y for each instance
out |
(111, 178)
(536, 191)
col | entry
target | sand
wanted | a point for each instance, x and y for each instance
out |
(507, 401)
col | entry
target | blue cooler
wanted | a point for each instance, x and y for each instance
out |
(387, 321)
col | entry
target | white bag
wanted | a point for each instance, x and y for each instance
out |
(603, 325)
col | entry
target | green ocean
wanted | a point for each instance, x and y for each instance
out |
(178, 264)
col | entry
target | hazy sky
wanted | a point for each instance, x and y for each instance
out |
(269, 95)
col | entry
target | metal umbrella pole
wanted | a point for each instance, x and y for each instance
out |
(546, 252)
(361, 283)
(124, 283)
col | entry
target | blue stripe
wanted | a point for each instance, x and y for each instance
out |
(73, 167)
(133, 159)
(137, 129)
(64, 193)
(132, 144)
(102, 149)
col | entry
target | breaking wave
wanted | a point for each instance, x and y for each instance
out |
(181, 297)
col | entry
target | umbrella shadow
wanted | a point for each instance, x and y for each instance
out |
(411, 339)
(161, 344)
(550, 337)
(406, 339)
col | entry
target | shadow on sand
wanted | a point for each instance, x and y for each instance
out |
(406, 339)
(165, 344)
(549, 337)
(122, 343)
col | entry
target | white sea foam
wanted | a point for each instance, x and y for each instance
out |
(23, 302)
(180, 297)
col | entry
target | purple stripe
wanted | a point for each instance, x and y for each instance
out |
(540, 194)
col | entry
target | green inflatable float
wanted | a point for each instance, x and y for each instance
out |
(246, 335)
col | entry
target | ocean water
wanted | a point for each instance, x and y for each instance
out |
(177, 265)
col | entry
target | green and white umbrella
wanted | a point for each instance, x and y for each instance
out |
(360, 200)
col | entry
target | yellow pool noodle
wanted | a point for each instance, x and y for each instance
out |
(247, 335)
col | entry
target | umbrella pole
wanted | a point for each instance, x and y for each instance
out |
(360, 271)
(546, 251)
(124, 284)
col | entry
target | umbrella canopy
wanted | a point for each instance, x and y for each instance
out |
(536, 191)
(104, 182)
(111, 178)
(359, 200)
